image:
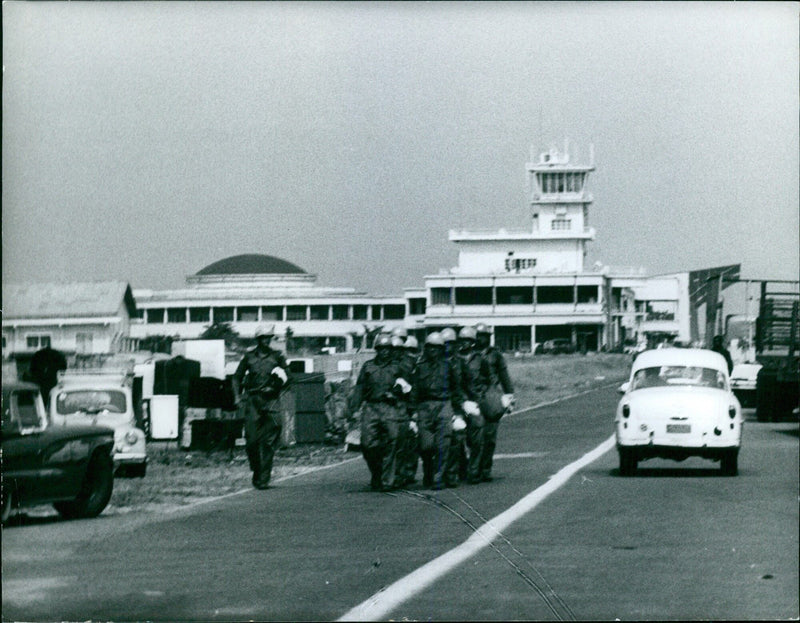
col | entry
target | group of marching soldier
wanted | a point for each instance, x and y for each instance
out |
(441, 407)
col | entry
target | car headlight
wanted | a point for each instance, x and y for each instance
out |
(626, 410)
(732, 412)
(131, 437)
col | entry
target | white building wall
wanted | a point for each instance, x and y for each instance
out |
(551, 255)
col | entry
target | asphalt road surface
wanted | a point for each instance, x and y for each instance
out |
(558, 535)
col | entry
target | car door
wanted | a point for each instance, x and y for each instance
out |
(22, 458)
(37, 458)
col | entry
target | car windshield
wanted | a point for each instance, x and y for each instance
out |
(663, 376)
(90, 401)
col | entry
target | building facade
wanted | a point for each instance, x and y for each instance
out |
(83, 319)
(245, 291)
(531, 285)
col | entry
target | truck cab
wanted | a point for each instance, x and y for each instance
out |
(102, 398)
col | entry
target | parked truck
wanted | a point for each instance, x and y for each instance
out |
(778, 351)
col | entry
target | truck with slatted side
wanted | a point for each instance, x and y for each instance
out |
(778, 351)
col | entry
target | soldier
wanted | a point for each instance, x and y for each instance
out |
(381, 388)
(475, 378)
(259, 381)
(499, 384)
(438, 397)
(458, 439)
(408, 446)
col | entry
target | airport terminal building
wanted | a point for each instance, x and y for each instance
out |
(530, 285)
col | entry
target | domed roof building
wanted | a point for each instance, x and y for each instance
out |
(251, 264)
(250, 289)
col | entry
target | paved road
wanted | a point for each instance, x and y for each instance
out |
(678, 541)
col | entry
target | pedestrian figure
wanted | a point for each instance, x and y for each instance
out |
(258, 382)
(498, 397)
(408, 443)
(719, 347)
(475, 379)
(44, 368)
(380, 392)
(438, 398)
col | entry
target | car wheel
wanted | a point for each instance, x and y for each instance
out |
(627, 462)
(8, 500)
(95, 491)
(729, 463)
(136, 471)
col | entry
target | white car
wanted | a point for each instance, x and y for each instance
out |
(678, 403)
(743, 382)
(104, 399)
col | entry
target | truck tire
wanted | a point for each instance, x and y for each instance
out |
(729, 463)
(98, 484)
(627, 462)
(766, 395)
(8, 501)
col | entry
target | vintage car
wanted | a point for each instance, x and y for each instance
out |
(678, 403)
(558, 346)
(69, 467)
(743, 382)
(104, 398)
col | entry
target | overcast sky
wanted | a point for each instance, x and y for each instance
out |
(144, 141)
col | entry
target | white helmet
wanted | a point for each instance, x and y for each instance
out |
(383, 341)
(411, 343)
(482, 327)
(448, 335)
(467, 333)
(265, 330)
(434, 339)
(397, 341)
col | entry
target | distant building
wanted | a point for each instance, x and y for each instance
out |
(247, 290)
(83, 319)
(531, 284)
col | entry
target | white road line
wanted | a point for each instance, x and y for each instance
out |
(521, 455)
(379, 605)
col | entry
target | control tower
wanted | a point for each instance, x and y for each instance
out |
(559, 200)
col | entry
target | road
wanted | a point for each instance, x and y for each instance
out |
(566, 541)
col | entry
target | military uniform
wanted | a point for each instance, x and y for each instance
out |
(475, 376)
(436, 386)
(262, 415)
(408, 442)
(382, 414)
(498, 375)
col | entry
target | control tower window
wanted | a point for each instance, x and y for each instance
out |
(561, 224)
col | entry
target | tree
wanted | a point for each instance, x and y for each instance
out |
(222, 331)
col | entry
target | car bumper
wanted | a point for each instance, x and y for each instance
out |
(130, 459)
(678, 453)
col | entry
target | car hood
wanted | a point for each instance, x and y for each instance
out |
(678, 401)
(112, 420)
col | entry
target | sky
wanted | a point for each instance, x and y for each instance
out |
(143, 141)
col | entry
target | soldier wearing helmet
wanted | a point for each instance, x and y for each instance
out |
(438, 396)
(400, 332)
(498, 397)
(380, 391)
(408, 444)
(475, 379)
(258, 383)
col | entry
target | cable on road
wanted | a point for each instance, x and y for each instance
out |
(550, 589)
(560, 615)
